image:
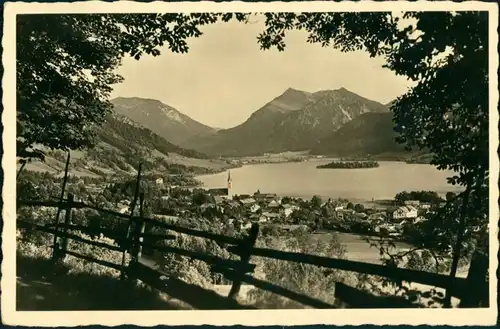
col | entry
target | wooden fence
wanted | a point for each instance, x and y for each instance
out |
(472, 293)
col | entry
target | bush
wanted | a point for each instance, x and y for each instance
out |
(309, 280)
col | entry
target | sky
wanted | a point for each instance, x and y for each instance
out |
(225, 76)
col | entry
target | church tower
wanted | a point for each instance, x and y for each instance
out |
(229, 185)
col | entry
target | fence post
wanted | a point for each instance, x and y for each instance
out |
(23, 164)
(67, 221)
(476, 285)
(55, 244)
(245, 255)
(128, 240)
(139, 230)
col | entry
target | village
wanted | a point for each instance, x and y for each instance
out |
(221, 206)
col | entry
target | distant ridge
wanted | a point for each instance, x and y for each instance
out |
(368, 134)
(294, 121)
(160, 118)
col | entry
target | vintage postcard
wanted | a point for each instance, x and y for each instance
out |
(250, 163)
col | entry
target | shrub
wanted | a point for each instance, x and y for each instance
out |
(309, 280)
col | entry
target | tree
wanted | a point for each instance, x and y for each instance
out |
(316, 202)
(450, 196)
(309, 280)
(446, 112)
(359, 207)
(200, 197)
(350, 205)
(65, 69)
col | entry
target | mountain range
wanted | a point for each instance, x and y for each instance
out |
(333, 122)
(329, 122)
(160, 118)
(368, 134)
(121, 145)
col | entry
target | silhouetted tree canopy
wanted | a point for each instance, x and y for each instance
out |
(66, 66)
(449, 105)
(446, 54)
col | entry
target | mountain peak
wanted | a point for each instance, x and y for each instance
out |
(291, 90)
(121, 99)
(160, 118)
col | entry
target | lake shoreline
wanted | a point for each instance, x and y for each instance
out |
(303, 180)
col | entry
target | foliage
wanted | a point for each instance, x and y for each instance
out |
(349, 165)
(362, 138)
(191, 270)
(130, 134)
(66, 65)
(200, 197)
(39, 249)
(359, 208)
(446, 112)
(423, 196)
(305, 279)
(316, 202)
(416, 258)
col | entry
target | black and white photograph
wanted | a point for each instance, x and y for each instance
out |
(293, 163)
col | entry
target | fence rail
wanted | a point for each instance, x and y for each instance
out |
(237, 271)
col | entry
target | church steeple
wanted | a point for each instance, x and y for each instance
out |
(229, 185)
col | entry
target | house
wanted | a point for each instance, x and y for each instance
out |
(218, 200)
(292, 227)
(233, 204)
(254, 217)
(271, 215)
(386, 227)
(218, 191)
(254, 208)
(405, 212)
(419, 220)
(123, 207)
(206, 206)
(259, 218)
(263, 219)
(247, 202)
(264, 196)
(414, 203)
(287, 209)
(159, 181)
(425, 206)
(244, 196)
(273, 205)
(377, 217)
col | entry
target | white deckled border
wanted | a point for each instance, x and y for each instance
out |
(258, 317)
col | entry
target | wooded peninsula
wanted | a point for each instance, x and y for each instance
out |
(349, 165)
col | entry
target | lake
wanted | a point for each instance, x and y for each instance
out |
(303, 180)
